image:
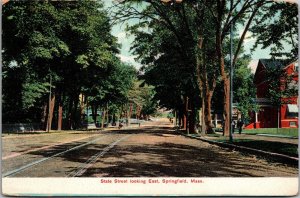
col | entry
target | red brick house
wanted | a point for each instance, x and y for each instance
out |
(268, 114)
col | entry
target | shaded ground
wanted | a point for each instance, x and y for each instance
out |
(275, 147)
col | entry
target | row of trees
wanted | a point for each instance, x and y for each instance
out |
(65, 47)
(184, 48)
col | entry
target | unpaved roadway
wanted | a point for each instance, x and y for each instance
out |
(152, 150)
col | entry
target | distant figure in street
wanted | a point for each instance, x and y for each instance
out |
(233, 126)
(240, 124)
(120, 124)
(170, 116)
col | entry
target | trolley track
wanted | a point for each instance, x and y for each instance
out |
(82, 168)
(94, 158)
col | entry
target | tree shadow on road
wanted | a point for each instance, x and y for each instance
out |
(174, 160)
(162, 158)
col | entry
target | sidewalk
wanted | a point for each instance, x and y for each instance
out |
(236, 135)
(284, 150)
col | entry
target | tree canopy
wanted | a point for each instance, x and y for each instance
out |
(69, 42)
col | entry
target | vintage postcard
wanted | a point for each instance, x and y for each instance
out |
(149, 98)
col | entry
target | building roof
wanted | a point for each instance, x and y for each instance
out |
(273, 63)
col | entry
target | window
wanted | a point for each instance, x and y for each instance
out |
(293, 124)
(292, 85)
(292, 111)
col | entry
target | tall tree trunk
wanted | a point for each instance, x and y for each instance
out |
(44, 117)
(50, 115)
(107, 113)
(126, 115)
(206, 88)
(192, 118)
(94, 112)
(60, 99)
(185, 114)
(60, 111)
(224, 75)
(226, 113)
(114, 118)
(75, 118)
(129, 114)
(103, 117)
(203, 126)
(180, 119)
(60, 115)
(207, 112)
(83, 101)
(175, 118)
(70, 112)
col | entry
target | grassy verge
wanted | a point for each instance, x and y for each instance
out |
(275, 147)
(273, 131)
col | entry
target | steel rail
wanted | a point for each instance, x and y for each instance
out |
(95, 157)
(22, 168)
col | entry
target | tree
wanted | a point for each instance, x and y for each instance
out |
(69, 41)
(243, 88)
(277, 27)
(158, 51)
(142, 95)
(29, 43)
(178, 22)
(112, 89)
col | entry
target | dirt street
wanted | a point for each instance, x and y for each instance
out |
(152, 150)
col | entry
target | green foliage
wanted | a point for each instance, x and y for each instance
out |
(142, 95)
(69, 40)
(32, 92)
(277, 27)
(166, 54)
(243, 88)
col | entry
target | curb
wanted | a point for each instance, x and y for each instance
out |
(270, 155)
(277, 136)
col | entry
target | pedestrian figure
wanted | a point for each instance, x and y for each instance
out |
(240, 125)
(120, 124)
(233, 126)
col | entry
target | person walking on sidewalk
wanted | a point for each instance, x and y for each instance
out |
(240, 124)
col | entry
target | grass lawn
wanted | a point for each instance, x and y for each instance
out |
(275, 147)
(273, 131)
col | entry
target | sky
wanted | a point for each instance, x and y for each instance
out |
(126, 40)
(118, 30)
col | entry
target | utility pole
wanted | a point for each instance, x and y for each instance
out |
(231, 85)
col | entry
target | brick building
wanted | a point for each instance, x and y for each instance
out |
(269, 116)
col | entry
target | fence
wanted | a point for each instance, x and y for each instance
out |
(21, 127)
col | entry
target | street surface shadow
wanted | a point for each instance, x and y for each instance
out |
(172, 160)
(162, 158)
